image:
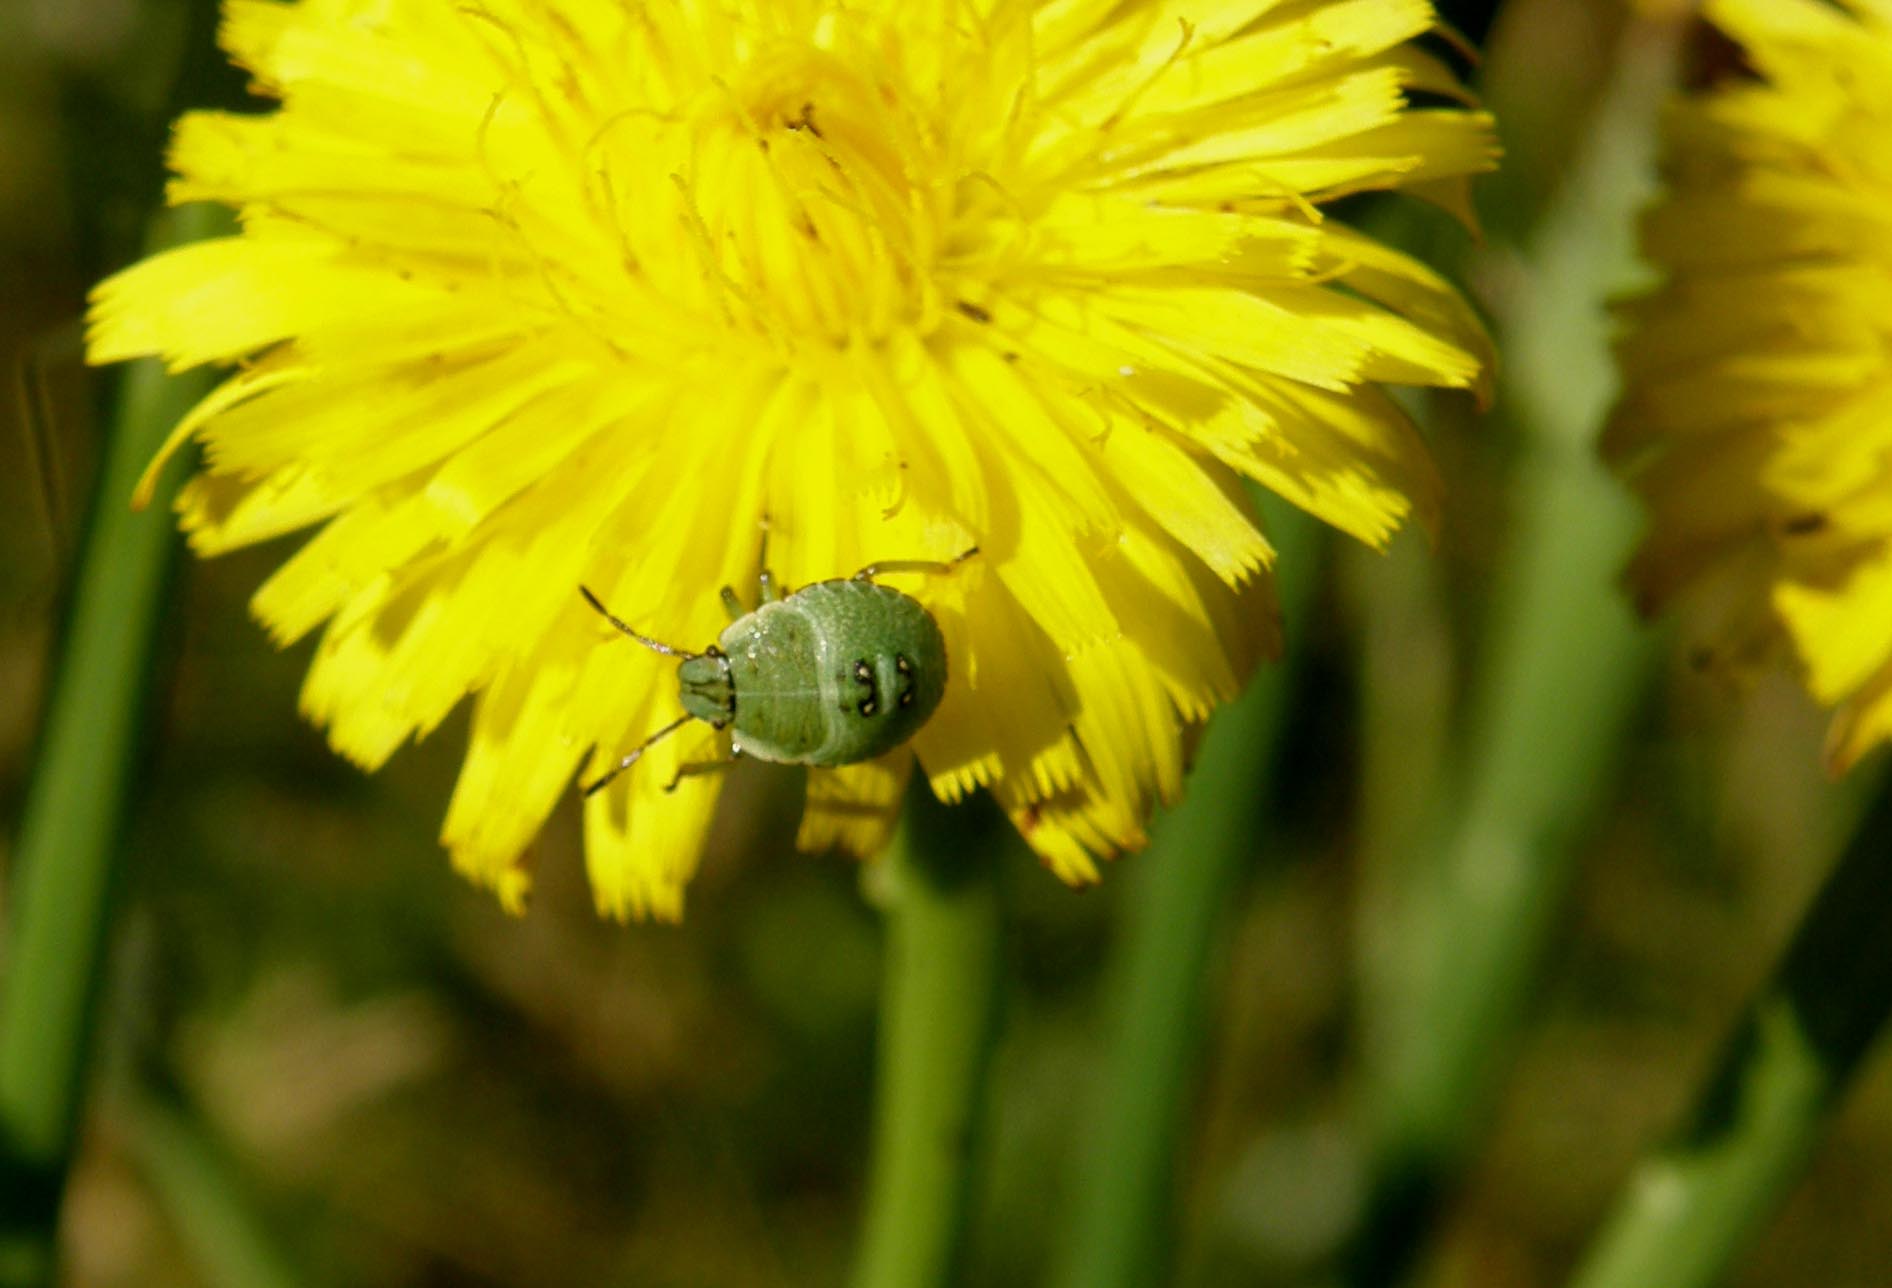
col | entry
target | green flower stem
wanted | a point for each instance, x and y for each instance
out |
(938, 1018)
(1690, 1209)
(1176, 913)
(202, 1189)
(1563, 668)
(66, 863)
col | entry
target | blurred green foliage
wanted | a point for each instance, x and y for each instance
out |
(415, 1090)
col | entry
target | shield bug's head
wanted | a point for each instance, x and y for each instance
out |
(705, 688)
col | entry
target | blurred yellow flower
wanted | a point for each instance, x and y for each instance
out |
(1756, 418)
(534, 293)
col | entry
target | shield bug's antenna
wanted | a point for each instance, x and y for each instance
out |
(591, 788)
(655, 646)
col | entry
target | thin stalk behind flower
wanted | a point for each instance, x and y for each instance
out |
(1176, 916)
(1691, 1208)
(1561, 675)
(67, 860)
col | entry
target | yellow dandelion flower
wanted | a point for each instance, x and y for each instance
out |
(531, 294)
(1756, 418)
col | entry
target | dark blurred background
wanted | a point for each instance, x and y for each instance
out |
(416, 1090)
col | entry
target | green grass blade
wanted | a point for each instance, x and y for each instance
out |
(1177, 911)
(66, 862)
(1690, 1209)
(202, 1190)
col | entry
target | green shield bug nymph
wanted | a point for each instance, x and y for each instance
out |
(836, 673)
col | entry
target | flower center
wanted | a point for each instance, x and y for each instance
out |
(810, 212)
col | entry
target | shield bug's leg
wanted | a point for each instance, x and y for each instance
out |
(698, 767)
(768, 593)
(874, 570)
(732, 605)
(655, 646)
(598, 783)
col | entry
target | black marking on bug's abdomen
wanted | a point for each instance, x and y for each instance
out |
(905, 668)
(864, 676)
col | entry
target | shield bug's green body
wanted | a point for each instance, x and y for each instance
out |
(836, 673)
